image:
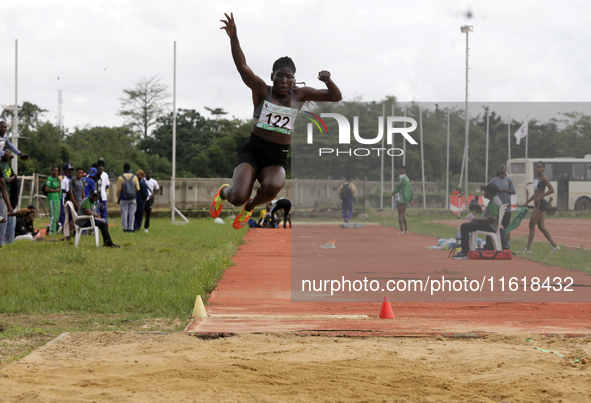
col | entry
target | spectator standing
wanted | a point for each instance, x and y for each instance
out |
(140, 198)
(105, 183)
(5, 207)
(506, 189)
(405, 196)
(89, 182)
(53, 190)
(346, 192)
(89, 206)
(153, 188)
(67, 171)
(77, 189)
(9, 178)
(127, 187)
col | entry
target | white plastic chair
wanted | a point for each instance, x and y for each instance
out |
(79, 230)
(496, 236)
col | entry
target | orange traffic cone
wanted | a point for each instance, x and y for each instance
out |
(386, 311)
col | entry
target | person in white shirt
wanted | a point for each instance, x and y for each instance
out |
(104, 189)
(64, 218)
(153, 188)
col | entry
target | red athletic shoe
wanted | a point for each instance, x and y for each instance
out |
(215, 208)
(242, 218)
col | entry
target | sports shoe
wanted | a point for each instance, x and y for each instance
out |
(460, 255)
(215, 208)
(112, 245)
(525, 250)
(146, 231)
(329, 245)
(242, 218)
(401, 233)
(554, 250)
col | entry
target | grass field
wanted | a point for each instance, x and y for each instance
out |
(149, 284)
(569, 258)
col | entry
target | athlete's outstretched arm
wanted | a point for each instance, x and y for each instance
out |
(254, 82)
(332, 93)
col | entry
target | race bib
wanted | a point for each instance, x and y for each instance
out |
(536, 183)
(277, 118)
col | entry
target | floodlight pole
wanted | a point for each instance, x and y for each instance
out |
(486, 159)
(173, 180)
(382, 162)
(509, 144)
(447, 167)
(392, 173)
(422, 159)
(466, 29)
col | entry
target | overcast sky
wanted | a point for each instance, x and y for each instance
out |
(520, 50)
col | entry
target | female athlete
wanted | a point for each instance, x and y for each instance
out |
(540, 205)
(264, 157)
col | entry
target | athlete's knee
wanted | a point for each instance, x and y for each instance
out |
(269, 191)
(236, 197)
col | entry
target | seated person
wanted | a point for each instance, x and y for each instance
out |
(89, 206)
(25, 229)
(489, 221)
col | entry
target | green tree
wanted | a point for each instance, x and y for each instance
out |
(142, 105)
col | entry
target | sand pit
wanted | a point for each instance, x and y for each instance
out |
(290, 368)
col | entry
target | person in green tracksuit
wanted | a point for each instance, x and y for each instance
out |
(54, 195)
(405, 196)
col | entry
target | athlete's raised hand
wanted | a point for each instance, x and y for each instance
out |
(230, 25)
(324, 76)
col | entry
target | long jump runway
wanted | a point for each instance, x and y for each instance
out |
(255, 295)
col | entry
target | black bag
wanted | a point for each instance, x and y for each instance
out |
(43, 189)
(346, 192)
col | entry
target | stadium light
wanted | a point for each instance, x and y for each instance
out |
(466, 29)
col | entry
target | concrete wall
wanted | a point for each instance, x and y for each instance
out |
(308, 193)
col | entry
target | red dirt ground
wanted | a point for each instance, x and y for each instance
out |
(255, 294)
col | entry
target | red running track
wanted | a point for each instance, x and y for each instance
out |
(254, 295)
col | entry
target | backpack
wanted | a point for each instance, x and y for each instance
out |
(346, 192)
(45, 193)
(129, 188)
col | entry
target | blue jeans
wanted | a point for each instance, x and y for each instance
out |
(347, 206)
(103, 210)
(10, 228)
(3, 213)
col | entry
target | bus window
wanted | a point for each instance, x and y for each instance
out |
(517, 167)
(578, 172)
(589, 172)
(549, 171)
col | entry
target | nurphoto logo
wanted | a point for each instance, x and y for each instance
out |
(344, 135)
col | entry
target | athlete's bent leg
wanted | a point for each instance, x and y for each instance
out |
(242, 184)
(272, 180)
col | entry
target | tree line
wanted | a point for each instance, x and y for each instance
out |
(207, 146)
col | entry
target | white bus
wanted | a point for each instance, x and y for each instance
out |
(570, 177)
